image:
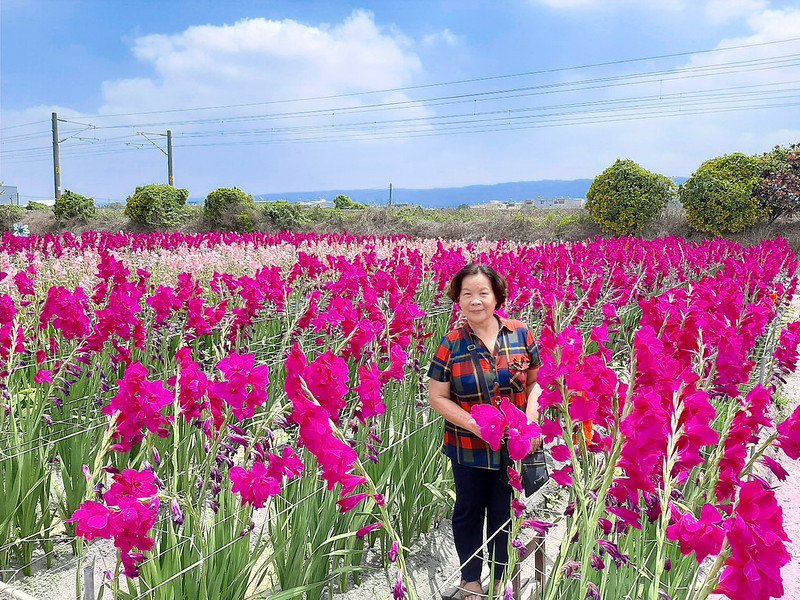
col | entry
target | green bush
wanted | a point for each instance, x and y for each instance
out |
(778, 192)
(229, 208)
(10, 214)
(343, 202)
(719, 197)
(33, 205)
(157, 206)
(74, 207)
(282, 215)
(625, 197)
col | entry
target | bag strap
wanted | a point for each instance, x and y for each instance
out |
(476, 362)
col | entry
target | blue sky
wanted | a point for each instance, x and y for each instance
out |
(290, 96)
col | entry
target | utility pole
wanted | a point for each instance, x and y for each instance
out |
(56, 158)
(170, 172)
(390, 194)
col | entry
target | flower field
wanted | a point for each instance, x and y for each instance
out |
(245, 416)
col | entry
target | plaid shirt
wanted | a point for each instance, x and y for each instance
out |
(505, 372)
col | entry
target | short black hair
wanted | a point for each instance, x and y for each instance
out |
(499, 284)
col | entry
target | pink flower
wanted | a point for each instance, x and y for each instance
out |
(350, 502)
(540, 527)
(367, 529)
(43, 376)
(131, 484)
(94, 520)
(776, 467)
(255, 486)
(394, 552)
(327, 378)
(704, 537)
(789, 435)
(369, 392)
(520, 431)
(562, 476)
(492, 424)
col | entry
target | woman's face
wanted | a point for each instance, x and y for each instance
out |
(477, 299)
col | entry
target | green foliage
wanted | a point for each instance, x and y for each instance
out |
(625, 197)
(74, 207)
(157, 206)
(778, 193)
(10, 214)
(718, 198)
(282, 215)
(343, 202)
(229, 208)
(33, 205)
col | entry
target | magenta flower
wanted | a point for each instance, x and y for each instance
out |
(520, 431)
(789, 435)
(367, 529)
(350, 502)
(327, 379)
(369, 392)
(43, 376)
(394, 552)
(492, 424)
(614, 552)
(540, 527)
(399, 589)
(94, 520)
(776, 467)
(562, 476)
(704, 537)
(255, 486)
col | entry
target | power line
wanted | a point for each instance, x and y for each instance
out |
(455, 82)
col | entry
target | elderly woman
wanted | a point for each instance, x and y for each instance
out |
(482, 361)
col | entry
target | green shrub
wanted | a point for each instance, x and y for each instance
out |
(33, 205)
(229, 208)
(718, 197)
(157, 206)
(282, 215)
(343, 202)
(625, 197)
(10, 214)
(778, 192)
(74, 207)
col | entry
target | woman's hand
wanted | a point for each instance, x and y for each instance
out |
(536, 443)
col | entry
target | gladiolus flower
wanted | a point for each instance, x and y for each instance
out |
(399, 589)
(394, 552)
(367, 529)
(540, 527)
(704, 537)
(350, 502)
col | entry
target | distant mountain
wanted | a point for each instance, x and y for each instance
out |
(449, 197)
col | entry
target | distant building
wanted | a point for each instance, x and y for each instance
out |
(9, 194)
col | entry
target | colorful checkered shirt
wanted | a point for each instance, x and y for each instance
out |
(505, 372)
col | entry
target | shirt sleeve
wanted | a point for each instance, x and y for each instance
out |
(440, 365)
(533, 350)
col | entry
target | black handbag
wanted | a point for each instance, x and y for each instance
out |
(534, 473)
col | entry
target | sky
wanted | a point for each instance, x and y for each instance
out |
(280, 96)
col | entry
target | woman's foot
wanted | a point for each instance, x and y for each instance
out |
(471, 590)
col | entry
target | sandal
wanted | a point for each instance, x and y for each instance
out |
(470, 590)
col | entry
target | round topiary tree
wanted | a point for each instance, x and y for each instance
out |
(157, 206)
(229, 208)
(70, 206)
(719, 197)
(625, 197)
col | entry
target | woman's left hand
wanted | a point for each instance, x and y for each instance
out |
(536, 443)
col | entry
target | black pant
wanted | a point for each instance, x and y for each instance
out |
(481, 497)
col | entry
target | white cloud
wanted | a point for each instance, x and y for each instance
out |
(260, 60)
(446, 37)
(660, 5)
(720, 12)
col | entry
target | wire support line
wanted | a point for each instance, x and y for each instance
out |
(457, 82)
(731, 68)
